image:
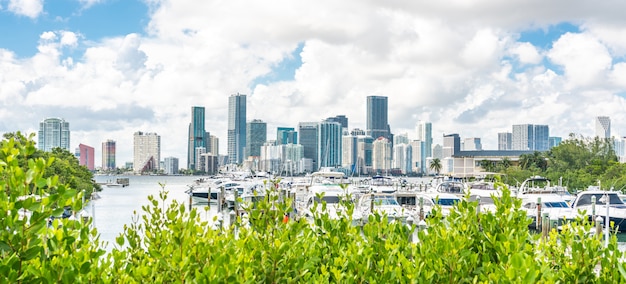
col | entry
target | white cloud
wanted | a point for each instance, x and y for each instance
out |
(28, 8)
(583, 57)
(526, 53)
(445, 62)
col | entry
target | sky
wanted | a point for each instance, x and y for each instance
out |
(471, 67)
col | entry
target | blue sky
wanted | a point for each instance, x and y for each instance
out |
(462, 66)
(20, 34)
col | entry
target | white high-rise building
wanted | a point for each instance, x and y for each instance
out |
(402, 157)
(418, 161)
(425, 134)
(146, 152)
(381, 154)
(53, 133)
(603, 127)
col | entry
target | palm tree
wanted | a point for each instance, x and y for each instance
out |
(435, 165)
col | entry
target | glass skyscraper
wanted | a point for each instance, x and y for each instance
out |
(329, 144)
(236, 128)
(198, 137)
(308, 139)
(425, 134)
(256, 135)
(53, 133)
(376, 123)
(530, 137)
(603, 127)
(286, 135)
(108, 155)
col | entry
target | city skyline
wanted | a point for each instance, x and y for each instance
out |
(115, 67)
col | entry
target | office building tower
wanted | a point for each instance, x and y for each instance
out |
(286, 135)
(364, 153)
(472, 144)
(505, 141)
(146, 152)
(307, 132)
(417, 156)
(530, 137)
(381, 155)
(522, 137)
(256, 135)
(53, 133)
(542, 138)
(214, 145)
(401, 139)
(329, 144)
(376, 123)
(554, 141)
(170, 165)
(341, 119)
(425, 134)
(603, 127)
(437, 152)
(402, 158)
(85, 155)
(236, 128)
(451, 145)
(349, 154)
(108, 155)
(198, 137)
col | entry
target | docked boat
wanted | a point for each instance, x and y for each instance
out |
(616, 207)
(445, 200)
(382, 203)
(537, 193)
(382, 184)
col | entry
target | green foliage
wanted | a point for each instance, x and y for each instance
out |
(169, 243)
(33, 247)
(436, 165)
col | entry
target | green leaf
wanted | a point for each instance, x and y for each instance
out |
(31, 253)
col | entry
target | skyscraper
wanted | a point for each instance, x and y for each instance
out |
(381, 155)
(376, 123)
(85, 155)
(530, 137)
(53, 133)
(603, 127)
(329, 144)
(108, 155)
(308, 139)
(146, 152)
(214, 145)
(286, 135)
(256, 135)
(403, 157)
(505, 141)
(472, 144)
(451, 145)
(236, 128)
(171, 165)
(341, 119)
(425, 134)
(198, 137)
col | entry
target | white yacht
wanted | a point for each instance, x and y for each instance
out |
(616, 207)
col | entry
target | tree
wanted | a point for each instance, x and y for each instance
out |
(435, 165)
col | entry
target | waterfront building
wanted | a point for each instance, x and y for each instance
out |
(53, 133)
(554, 141)
(286, 135)
(198, 137)
(437, 152)
(146, 152)
(377, 120)
(364, 154)
(402, 157)
(603, 127)
(472, 144)
(236, 128)
(214, 145)
(210, 163)
(307, 132)
(349, 153)
(425, 134)
(256, 135)
(329, 144)
(170, 165)
(108, 155)
(451, 145)
(85, 155)
(418, 158)
(381, 155)
(530, 137)
(504, 141)
(199, 166)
